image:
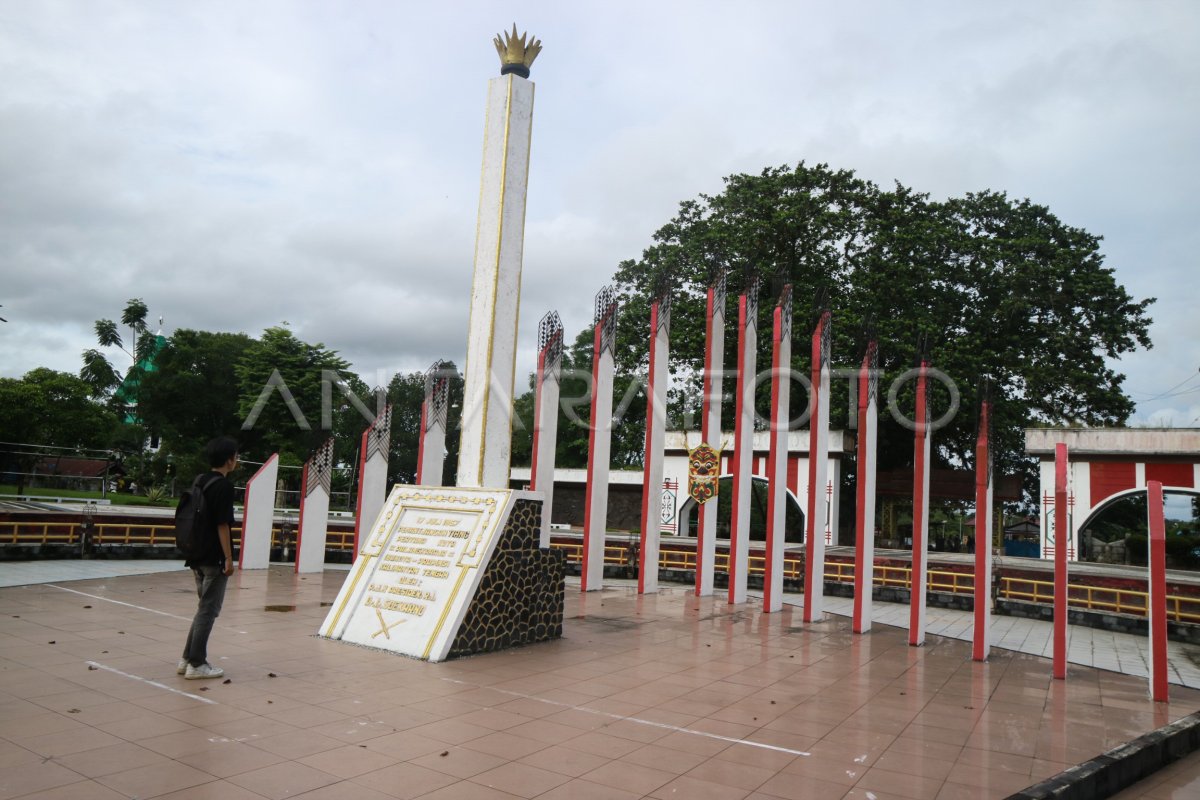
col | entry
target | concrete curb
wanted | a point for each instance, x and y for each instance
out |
(1121, 767)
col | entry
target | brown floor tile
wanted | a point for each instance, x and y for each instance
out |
(347, 761)
(461, 762)
(563, 720)
(283, 780)
(35, 776)
(404, 781)
(564, 760)
(580, 789)
(466, 790)
(230, 758)
(155, 779)
(523, 780)
(899, 783)
(83, 790)
(796, 787)
(505, 745)
(697, 789)
(631, 777)
(107, 760)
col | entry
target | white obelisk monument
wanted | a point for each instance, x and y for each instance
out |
(485, 448)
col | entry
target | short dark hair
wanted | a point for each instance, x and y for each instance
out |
(220, 450)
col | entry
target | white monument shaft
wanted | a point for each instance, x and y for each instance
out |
(486, 446)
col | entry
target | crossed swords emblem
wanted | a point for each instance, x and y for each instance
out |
(384, 627)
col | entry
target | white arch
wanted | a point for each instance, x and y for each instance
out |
(1095, 510)
(689, 502)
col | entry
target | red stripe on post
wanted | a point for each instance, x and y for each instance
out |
(647, 489)
(983, 543)
(813, 572)
(587, 495)
(917, 593)
(1062, 538)
(705, 431)
(421, 443)
(769, 587)
(737, 438)
(861, 584)
(1158, 592)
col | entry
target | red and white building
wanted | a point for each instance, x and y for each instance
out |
(1106, 465)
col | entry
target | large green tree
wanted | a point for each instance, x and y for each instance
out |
(193, 395)
(52, 409)
(994, 286)
(293, 395)
(97, 370)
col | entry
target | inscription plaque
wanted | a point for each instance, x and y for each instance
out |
(418, 569)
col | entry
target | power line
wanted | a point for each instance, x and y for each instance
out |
(1167, 393)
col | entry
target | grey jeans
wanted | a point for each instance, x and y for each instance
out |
(210, 589)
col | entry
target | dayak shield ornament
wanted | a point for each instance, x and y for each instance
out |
(704, 472)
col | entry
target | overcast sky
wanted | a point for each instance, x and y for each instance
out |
(237, 165)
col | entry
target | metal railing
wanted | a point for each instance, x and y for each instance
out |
(1081, 596)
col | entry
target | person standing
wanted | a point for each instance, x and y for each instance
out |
(213, 568)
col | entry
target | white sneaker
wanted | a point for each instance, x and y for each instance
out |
(182, 668)
(203, 671)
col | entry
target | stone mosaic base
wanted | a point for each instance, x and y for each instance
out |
(520, 596)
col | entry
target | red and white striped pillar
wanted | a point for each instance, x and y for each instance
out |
(545, 423)
(595, 523)
(1158, 592)
(743, 435)
(1062, 538)
(710, 428)
(818, 468)
(984, 498)
(920, 532)
(777, 461)
(864, 531)
(656, 424)
(372, 473)
(431, 449)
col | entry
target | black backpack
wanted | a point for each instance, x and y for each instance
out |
(193, 520)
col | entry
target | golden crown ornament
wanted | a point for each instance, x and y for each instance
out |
(516, 56)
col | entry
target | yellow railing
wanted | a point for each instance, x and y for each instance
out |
(1101, 598)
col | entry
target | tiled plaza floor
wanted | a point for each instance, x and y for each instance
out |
(663, 697)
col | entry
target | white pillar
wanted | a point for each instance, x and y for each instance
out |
(656, 424)
(545, 425)
(372, 474)
(486, 445)
(781, 381)
(431, 449)
(864, 534)
(595, 524)
(739, 520)
(920, 534)
(258, 516)
(714, 359)
(818, 471)
(314, 510)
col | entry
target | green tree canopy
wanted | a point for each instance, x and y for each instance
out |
(996, 286)
(53, 409)
(290, 402)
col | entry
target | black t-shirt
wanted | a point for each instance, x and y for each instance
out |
(218, 496)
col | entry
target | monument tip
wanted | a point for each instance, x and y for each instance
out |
(516, 56)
